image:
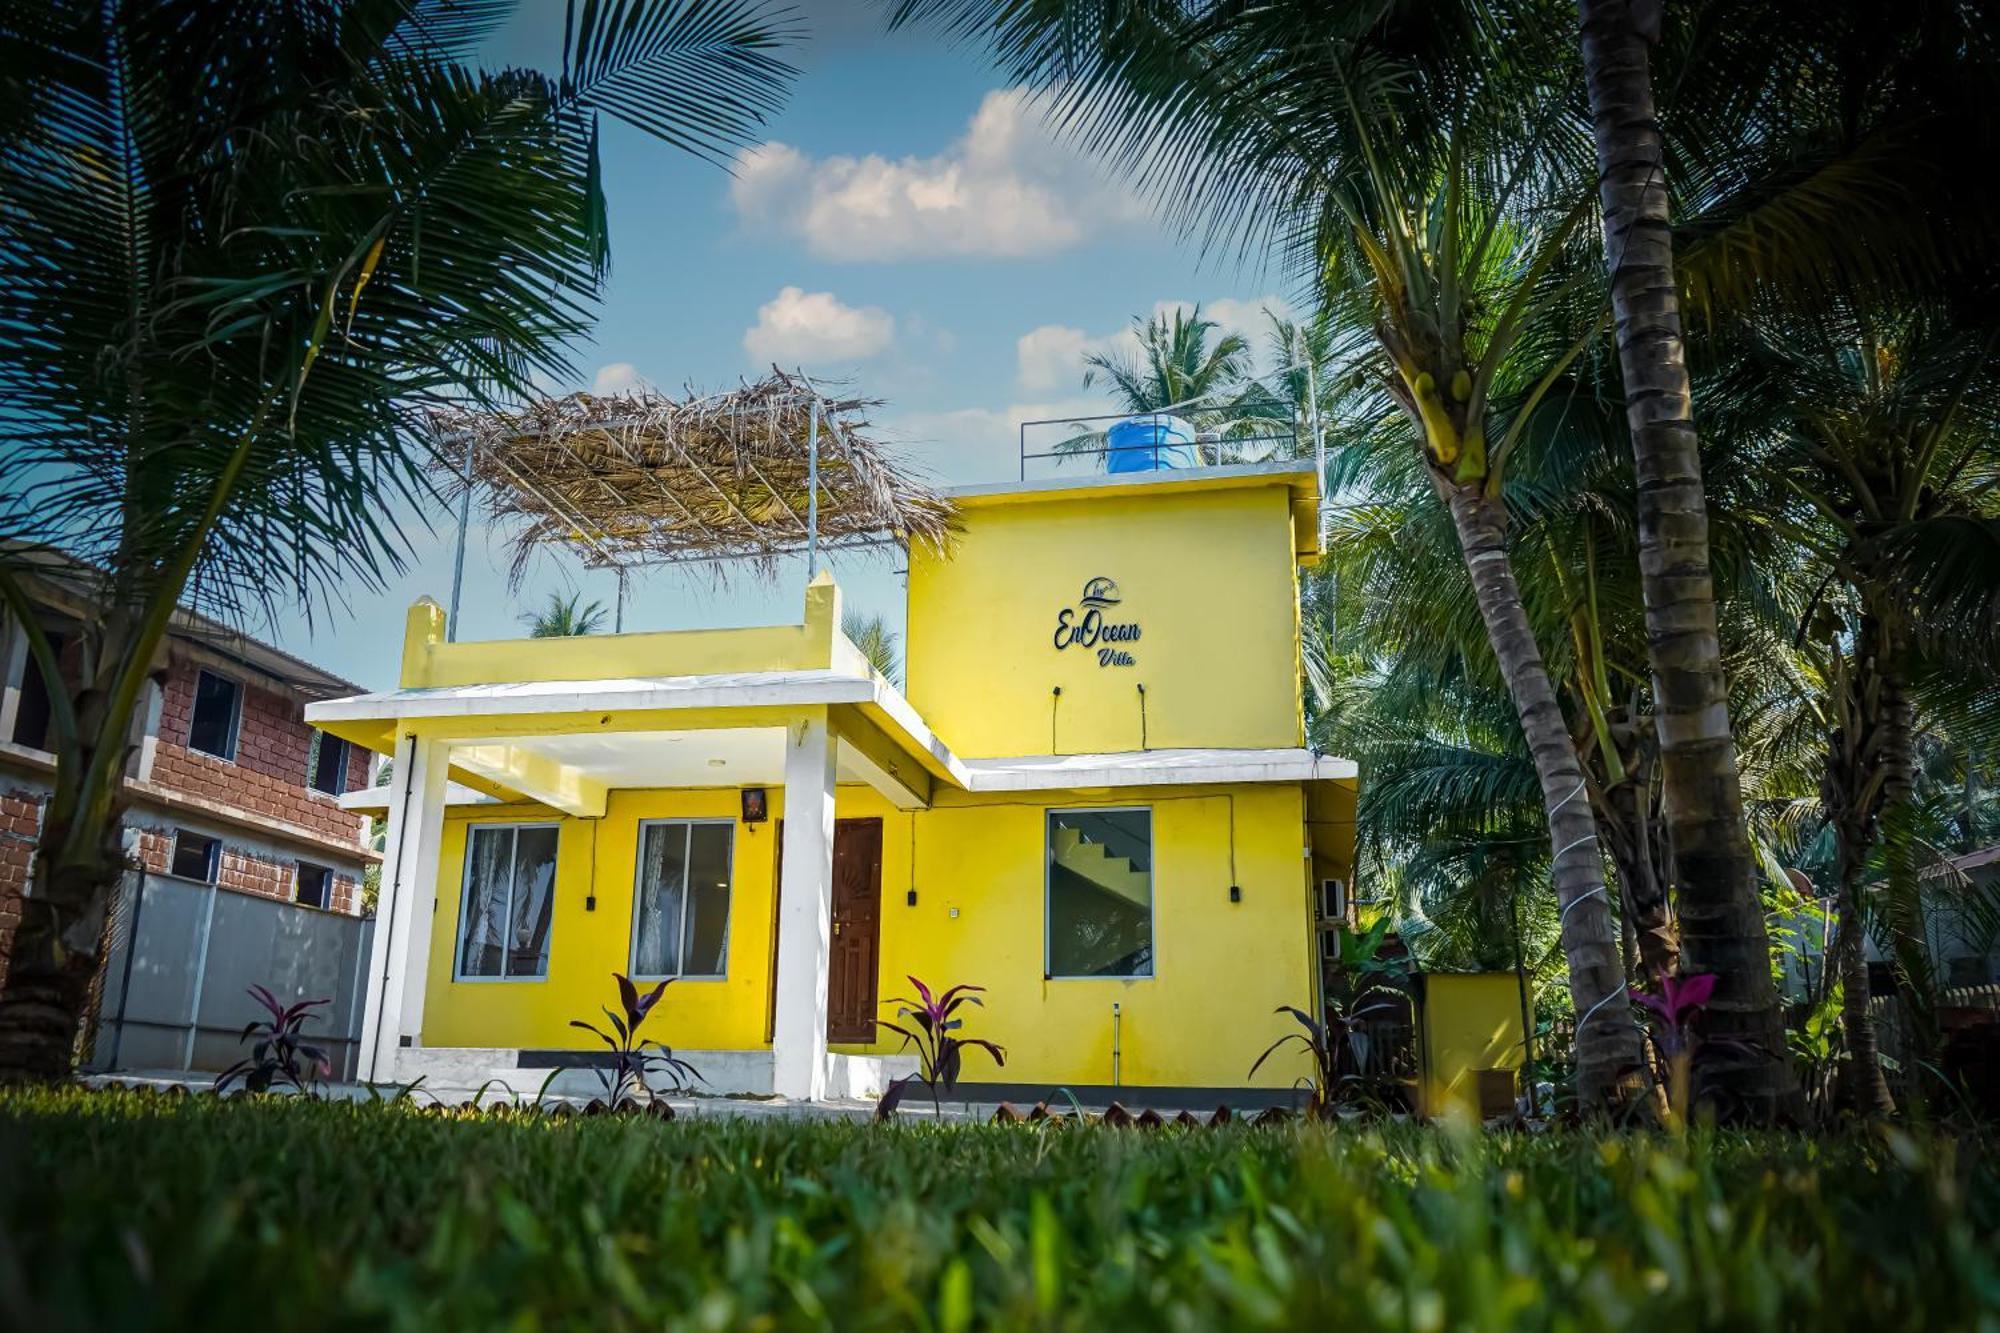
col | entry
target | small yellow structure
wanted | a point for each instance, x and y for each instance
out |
(1472, 1045)
(1093, 800)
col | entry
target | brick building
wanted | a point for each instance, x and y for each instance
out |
(226, 782)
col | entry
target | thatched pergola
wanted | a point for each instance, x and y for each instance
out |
(765, 470)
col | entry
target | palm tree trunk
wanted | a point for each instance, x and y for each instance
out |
(1608, 1053)
(1902, 901)
(59, 942)
(1643, 894)
(1721, 921)
(1863, 1088)
(1851, 794)
(79, 857)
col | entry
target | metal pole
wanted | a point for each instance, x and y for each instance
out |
(1312, 425)
(618, 620)
(125, 979)
(200, 972)
(458, 556)
(357, 998)
(812, 496)
(1117, 1044)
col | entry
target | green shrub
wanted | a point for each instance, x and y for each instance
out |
(129, 1211)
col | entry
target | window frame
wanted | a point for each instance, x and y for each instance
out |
(465, 899)
(1049, 814)
(214, 872)
(235, 714)
(322, 739)
(34, 688)
(638, 874)
(326, 884)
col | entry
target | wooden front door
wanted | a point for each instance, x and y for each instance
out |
(857, 930)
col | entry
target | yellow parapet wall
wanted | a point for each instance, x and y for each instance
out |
(1471, 1023)
(428, 660)
(1166, 617)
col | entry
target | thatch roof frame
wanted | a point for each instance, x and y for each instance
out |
(631, 479)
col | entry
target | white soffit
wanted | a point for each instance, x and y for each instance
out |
(747, 689)
(710, 757)
(1154, 768)
(375, 800)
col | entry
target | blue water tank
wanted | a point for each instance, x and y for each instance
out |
(1142, 444)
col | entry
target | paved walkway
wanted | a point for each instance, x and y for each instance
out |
(747, 1107)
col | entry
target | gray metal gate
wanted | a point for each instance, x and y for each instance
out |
(184, 955)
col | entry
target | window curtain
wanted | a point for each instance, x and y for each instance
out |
(486, 902)
(662, 883)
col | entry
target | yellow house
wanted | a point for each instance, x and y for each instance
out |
(1093, 799)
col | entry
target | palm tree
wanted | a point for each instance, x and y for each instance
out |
(1182, 368)
(877, 642)
(1722, 921)
(565, 617)
(1880, 423)
(1177, 363)
(246, 248)
(1810, 150)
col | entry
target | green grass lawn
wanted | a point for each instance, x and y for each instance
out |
(128, 1211)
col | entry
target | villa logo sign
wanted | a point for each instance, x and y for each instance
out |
(1085, 626)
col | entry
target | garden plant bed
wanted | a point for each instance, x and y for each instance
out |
(133, 1210)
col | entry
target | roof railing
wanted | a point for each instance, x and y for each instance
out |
(1052, 446)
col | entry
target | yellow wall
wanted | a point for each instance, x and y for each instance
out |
(1472, 1021)
(1210, 577)
(586, 947)
(1220, 967)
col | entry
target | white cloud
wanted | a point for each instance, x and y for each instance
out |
(1252, 318)
(803, 327)
(618, 377)
(1050, 358)
(1006, 187)
(978, 444)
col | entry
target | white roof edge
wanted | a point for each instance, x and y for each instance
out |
(1277, 467)
(366, 800)
(1155, 768)
(904, 715)
(748, 689)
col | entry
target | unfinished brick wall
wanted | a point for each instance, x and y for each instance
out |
(261, 876)
(155, 851)
(20, 821)
(268, 775)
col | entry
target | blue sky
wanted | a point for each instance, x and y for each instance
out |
(907, 224)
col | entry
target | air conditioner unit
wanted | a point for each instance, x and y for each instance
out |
(1332, 900)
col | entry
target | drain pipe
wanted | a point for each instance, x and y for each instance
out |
(1117, 1028)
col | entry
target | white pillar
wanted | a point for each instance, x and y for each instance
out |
(399, 957)
(13, 670)
(805, 913)
(146, 732)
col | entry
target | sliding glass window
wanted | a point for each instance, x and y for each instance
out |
(680, 899)
(507, 902)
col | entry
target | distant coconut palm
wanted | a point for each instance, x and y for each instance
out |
(1183, 367)
(565, 618)
(877, 642)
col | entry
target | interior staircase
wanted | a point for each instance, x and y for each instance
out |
(1093, 862)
